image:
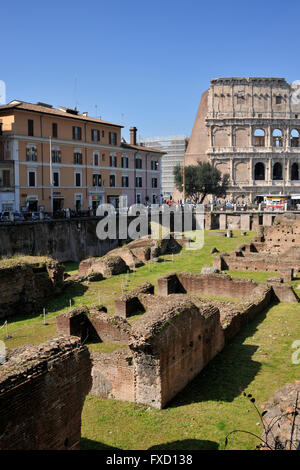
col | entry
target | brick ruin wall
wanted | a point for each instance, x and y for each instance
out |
(113, 375)
(93, 324)
(176, 337)
(26, 285)
(277, 251)
(42, 392)
(171, 347)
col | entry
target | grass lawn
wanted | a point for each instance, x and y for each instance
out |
(257, 360)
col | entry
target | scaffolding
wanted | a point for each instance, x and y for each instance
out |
(174, 148)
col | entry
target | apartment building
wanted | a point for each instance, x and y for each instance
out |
(142, 173)
(52, 159)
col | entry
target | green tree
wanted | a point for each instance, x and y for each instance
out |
(200, 180)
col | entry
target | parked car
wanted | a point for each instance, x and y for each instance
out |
(18, 217)
(5, 216)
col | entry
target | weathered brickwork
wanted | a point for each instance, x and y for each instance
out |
(278, 250)
(93, 324)
(282, 419)
(42, 392)
(113, 375)
(249, 128)
(27, 283)
(178, 334)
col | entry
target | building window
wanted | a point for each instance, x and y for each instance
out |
(55, 178)
(76, 133)
(278, 100)
(259, 138)
(124, 162)
(97, 180)
(294, 138)
(125, 182)
(103, 157)
(113, 160)
(30, 127)
(95, 135)
(138, 182)
(295, 172)
(54, 129)
(77, 179)
(31, 178)
(112, 181)
(259, 171)
(138, 163)
(138, 199)
(5, 179)
(113, 138)
(154, 182)
(102, 133)
(96, 159)
(56, 156)
(31, 153)
(154, 165)
(77, 158)
(277, 171)
(277, 138)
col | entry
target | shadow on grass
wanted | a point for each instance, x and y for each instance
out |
(187, 444)
(228, 374)
(88, 444)
(57, 302)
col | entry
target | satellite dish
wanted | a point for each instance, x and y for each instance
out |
(2, 92)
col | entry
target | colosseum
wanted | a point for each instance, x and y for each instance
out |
(249, 128)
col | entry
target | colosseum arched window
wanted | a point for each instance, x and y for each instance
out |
(221, 138)
(277, 171)
(277, 138)
(241, 138)
(259, 138)
(259, 171)
(294, 138)
(295, 171)
(241, 172)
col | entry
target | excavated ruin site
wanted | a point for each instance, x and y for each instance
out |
(183, 324)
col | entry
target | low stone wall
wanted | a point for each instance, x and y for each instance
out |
(205, 284)
(93, 324)
(256, 262)
(131, 303)
(26, 283)
(261, 297)
(170, 347)
(42, 392)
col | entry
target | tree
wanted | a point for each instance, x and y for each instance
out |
(200, 180)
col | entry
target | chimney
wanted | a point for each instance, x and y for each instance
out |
(133, 131)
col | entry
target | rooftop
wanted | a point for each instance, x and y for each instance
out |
(61, 111)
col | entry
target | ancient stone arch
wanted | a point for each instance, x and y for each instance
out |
(241, 138)
(241, 172)
(220, 138)
(223, 167)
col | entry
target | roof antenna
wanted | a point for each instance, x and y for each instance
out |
(75, 91)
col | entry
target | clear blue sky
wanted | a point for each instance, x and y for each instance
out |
(148, 60)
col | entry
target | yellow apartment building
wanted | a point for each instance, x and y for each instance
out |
(56, 158)
(52, 159)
